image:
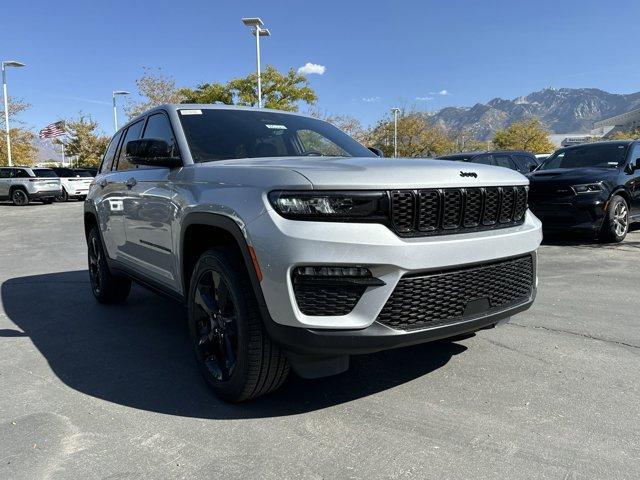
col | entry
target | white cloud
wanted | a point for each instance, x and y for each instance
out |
(424, 99)
(371, 99)
(312, 68)
(441, 92)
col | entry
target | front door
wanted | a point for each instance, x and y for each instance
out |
(633, 183)
(150, 211)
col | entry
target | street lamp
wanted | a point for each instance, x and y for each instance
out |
(256, 29)
(115, 111)
(5, 64)
(395, 112)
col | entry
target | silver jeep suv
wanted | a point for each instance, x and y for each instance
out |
(295, 246)
(23, 184)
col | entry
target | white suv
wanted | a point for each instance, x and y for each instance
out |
(75, 183)
(23, 184)
(294, 245)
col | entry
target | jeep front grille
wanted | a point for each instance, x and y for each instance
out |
(437, 298)
(455, 210)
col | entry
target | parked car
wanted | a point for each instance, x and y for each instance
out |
(24, 184)
(593, 187)
(75, 183)
(519, 161)
(294, 245)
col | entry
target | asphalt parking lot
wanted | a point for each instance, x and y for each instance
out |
(112, 392)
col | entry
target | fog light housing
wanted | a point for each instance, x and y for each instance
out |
(335, 275)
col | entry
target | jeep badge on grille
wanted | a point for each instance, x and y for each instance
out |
(468, 174)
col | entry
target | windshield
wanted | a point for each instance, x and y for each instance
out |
(44, 172)
(603, 156)
(217, 134)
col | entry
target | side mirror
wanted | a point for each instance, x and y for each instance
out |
(377, 151)
(632, 166)
(153, 152)
(637, 165)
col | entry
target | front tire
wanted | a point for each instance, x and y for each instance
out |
(106, 287)
(19, 197)
(63, 197)
(616, 222)
(234, 352)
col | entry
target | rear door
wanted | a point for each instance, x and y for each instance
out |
(150, 211)
(504, 160)
(4, 182)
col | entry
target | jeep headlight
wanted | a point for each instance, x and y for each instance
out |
(588, 188)
(328, 206)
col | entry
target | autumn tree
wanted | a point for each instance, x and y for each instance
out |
(84, 142)
(417, 136)
(633, 134)
(208, 93)
(155, 88)
(23, 149)
(528, 135)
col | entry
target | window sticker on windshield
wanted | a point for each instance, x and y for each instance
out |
(190, 112)
(275, 127)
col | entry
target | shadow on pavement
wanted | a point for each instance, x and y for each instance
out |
(138, 354)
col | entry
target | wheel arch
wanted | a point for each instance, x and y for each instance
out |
(201, 231)
(621, 191)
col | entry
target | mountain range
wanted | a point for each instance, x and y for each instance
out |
(561, 110)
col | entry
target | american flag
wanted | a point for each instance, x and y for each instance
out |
(53, 130)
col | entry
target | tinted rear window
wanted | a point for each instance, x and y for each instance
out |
(81, 173)
(44, 172)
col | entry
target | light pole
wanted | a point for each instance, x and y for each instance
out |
(5, 64)
(256, 29)
(115, 111)
(395, 112)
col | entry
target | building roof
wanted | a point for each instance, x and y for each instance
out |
(622, 119)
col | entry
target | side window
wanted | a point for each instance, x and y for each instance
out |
(20, 173)
(483, 160)
(159, 126)
(110, 154)
(4, 173)
(504, 161)
(526, 162)
(635, 153)
(133, 133)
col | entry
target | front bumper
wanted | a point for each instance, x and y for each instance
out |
(378, 337)
(583, 212)
(288, 244)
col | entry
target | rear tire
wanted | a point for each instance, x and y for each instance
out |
(106, 287)
(19, 197)
(63, 197)
(233, 351)
(616, 222)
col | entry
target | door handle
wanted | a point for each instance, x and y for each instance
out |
(131, 182)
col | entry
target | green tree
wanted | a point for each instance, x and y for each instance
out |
(84, 142)
(417, 136)
(155, 88)
(528, 135)
(208, 93)
(279, 91)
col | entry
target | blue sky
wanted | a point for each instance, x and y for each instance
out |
(376, 54)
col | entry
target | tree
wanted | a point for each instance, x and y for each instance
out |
(279, 91)
(528, 135)
(348, 124)
(23, 150)
(84, 143)
(156, 88)
(465, 141)
(417, 136)
(626, 134)
(208, 93)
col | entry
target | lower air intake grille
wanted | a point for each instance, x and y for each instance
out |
(327, 299)
(453, 295)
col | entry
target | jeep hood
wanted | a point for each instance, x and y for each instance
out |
(383, 173)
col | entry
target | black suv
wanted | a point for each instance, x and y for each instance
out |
(591, 187)
(519, 161)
